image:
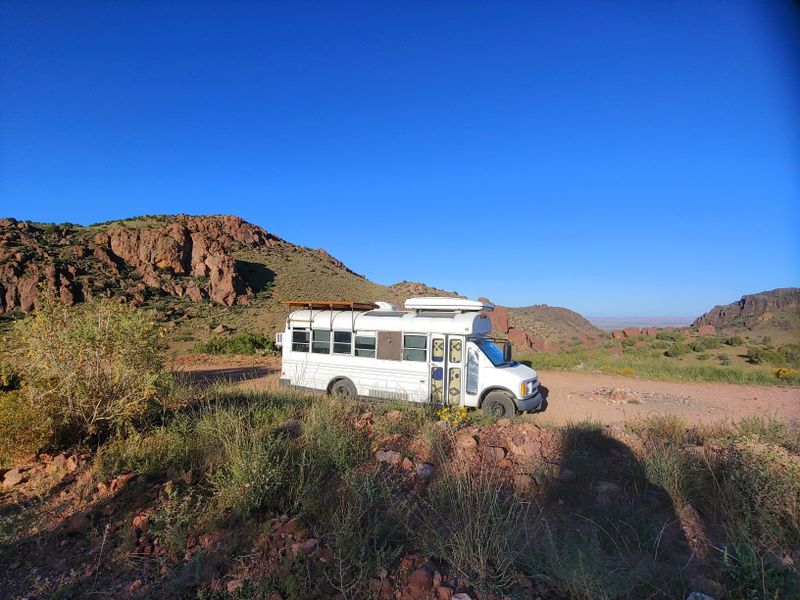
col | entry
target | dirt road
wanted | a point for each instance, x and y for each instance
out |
(571, 396)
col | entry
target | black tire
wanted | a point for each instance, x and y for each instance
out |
(499, 404)
(344, 390)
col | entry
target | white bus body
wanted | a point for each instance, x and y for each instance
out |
(436, 351)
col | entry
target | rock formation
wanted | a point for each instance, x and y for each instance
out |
(752, 309)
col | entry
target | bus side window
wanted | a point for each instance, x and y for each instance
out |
(321, 342)
(300, 340)
(342, 342)
(365, 346)
(415, 347)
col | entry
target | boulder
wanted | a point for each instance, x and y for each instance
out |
(13, 477)
(707, 330)
(650, 332)
(78, 523)
(424, 470)
(618, 334)
(631, 331)
(389, 457)
(420, 583)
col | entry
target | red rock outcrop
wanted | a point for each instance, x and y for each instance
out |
(752, 309)
(649, 331)
(631, 331)
(30, 260)
(618, 334)
(707, 330)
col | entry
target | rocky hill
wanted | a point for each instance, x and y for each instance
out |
(201, 271)
(777, 310)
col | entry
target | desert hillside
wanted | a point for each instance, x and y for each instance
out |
(775, 312)
(200, 272)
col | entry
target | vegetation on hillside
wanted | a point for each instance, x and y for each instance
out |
(194, 491)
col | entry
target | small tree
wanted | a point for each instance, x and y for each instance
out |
(92, 369)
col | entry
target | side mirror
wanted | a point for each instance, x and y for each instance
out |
(507, 352)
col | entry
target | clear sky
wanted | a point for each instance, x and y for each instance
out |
(616, 158)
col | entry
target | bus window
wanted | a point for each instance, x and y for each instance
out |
(415, 347)
(321, 342)
(365, 346)
(342, 342)
(300, 340)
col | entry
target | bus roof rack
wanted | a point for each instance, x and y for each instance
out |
(325, 305)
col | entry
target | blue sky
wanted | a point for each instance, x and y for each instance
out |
(616, 158)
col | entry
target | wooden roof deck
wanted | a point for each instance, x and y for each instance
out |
(323, 305)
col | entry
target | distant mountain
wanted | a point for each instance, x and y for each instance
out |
(611, 323)
(200, 271)
(777, 310)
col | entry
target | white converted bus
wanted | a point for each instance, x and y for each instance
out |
(437, 350)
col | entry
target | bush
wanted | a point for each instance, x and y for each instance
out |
(724, 359)
(92, 369)
(669, 336)
(704, 343)
(9, 379)
(24, 428)
(702, 356)
(241, 343)
(734, 341)
(677, 349)
(786, 374)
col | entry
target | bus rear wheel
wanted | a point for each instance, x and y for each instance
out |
(343, 389)
(498, 405)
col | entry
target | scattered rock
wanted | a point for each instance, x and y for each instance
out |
(649, 332)
(420, 583)
(13, 477)
(631, 331)
(424, 471)
(291, 427)
(444, 593)
(233, 585)
(78, 523)
(57, 463)
(466, 441)
(494, 454)
(222, 329)
(390, 457)
(618, 334)
(408, 464)
(72, 464)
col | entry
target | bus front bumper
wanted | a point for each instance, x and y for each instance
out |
(531, 403)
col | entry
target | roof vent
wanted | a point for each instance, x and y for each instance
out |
(446, 304)
(385, 306)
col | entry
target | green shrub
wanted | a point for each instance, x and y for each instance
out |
(9, 378)
(241, 343)
(702, 356)
(669, 336)
(785, 356)
(24, 427)
(734, 341)
(677, 349)
(92, 369)
(724, 359)
(704, 343)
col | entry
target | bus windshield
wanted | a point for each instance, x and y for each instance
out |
(492, 351)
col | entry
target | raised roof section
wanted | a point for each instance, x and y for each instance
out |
(436, 303)
(325, 305)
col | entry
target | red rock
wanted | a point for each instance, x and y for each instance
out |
(420, 583)
(707, 330)
(618, 334)
(78, 523)
(233, 585)
(494, 454)
(519, 338)
(390, 457)
(134, 585)
(650, 332)
(13, 477)
(631, 332)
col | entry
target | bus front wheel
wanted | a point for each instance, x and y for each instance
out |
(343, 389)
(498, 405)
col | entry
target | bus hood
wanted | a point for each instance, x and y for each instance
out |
(511, 377)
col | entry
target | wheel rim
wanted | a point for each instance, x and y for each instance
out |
(342, 392)
(497, 409)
